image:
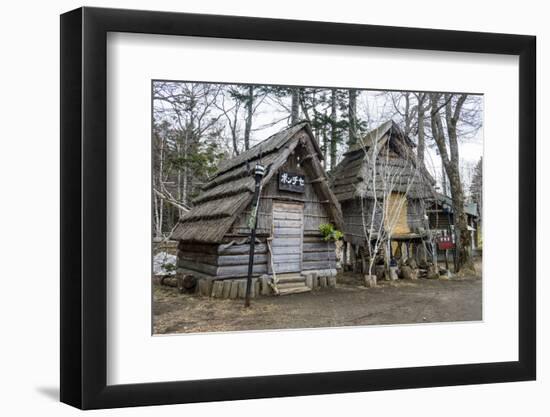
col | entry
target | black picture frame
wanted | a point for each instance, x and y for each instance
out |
(84, 207)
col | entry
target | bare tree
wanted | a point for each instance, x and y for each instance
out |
(386, 186)
(445, 135)
(188, 109)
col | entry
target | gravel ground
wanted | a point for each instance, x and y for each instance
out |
(349, 304)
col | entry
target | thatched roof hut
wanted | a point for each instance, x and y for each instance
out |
(215, 229)
(383, 159)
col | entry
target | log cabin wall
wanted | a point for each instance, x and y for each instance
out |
(318, 254)
(353, 211)
(412, 214)
(415, 214)
(228, 260)
(440, 220)
(198, 258)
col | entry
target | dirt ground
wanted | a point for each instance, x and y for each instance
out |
(349, 304)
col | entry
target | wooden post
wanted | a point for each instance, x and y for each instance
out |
(363, 261)
(258, 175)
(345, 256)
(353, 259)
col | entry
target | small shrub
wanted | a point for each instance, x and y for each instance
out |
(330, 233)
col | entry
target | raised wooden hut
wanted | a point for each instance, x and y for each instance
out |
(377, 176)
(295, 199)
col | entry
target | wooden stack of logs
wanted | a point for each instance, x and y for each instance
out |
(231, 288)
(236, 288)
(316, 281)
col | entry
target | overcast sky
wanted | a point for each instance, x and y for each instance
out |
(374, 107)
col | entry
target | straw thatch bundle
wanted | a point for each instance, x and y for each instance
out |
(395, 159)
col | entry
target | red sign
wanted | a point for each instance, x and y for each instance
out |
(445, 242)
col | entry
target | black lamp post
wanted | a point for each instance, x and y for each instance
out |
(259, 172)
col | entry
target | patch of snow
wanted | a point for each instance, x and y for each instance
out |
(160, 264)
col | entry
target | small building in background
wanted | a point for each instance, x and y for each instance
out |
(295, 200)
(441, 218)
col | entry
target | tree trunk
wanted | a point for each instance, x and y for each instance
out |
(452, 169)
(249, 111)
(295, 106)
(352, 135)
(325, 145)
(333, 130)
(462, 235)
(234, 133)
(443, 180)
(421, 146)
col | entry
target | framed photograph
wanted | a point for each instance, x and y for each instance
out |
(260, 208)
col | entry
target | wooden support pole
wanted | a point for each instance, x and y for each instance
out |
(363, 261)
(345, 255)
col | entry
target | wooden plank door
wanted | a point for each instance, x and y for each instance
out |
(288, 232)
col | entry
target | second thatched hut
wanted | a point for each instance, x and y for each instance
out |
(383, 190)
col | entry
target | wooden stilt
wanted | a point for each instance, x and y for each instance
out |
(363, 261)
(353, 256)
(345, 256)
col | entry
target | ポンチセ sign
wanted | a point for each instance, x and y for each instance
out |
(289, 181)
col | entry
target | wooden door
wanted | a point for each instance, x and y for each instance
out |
(288, 232)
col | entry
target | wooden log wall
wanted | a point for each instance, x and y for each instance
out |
(315, 211)
(353, 220)
(439, 220)
(318, 254)
(221, 261)
(411, 218)
(415, 214)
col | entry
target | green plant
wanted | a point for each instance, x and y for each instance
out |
(169, 267)
(330, 233)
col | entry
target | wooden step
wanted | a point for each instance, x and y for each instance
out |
(282, 285)
(291, 280)
(294, 290)
(295, 277)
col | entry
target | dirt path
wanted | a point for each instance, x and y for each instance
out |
(349, 304)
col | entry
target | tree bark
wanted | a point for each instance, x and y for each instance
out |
(333, 129)
(352, 135)
(249, 113)
(295, 106)
(421, 146)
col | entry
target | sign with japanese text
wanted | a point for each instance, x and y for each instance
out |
(289, 181)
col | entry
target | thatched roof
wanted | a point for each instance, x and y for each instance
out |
(229, 191)
(395, 160)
